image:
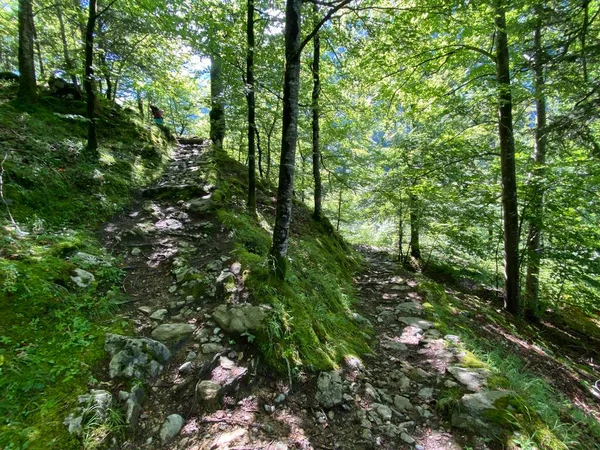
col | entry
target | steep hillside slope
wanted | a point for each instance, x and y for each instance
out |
(57, 284)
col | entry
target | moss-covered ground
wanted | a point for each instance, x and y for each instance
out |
(312, 325)
(51, 330)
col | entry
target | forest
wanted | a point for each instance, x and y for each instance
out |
(287, 182)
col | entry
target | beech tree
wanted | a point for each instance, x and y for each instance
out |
(27, 83)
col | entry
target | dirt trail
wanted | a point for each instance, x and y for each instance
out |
(174, 251)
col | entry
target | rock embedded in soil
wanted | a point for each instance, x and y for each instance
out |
(415, 322)
(133, 407)
(329, 389)
(82, 278)
(159, 314)
(135, 357)
(402, 403)
(239, 318)
(171, 428)
(172, 331)
(98, 402)
(409, 308)
(385, 412)
(481, 412)
(426, 393)
(145, 309)
(473, 379)
(212, 348)
(407, 438)
(208, 391)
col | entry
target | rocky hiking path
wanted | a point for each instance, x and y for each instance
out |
(186, 376)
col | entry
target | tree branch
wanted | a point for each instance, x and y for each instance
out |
(328, 16)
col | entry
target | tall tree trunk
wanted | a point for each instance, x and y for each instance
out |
(63, 37)
(217, 112)
(507, 163)
(140, 104)
(339, 211)
(316, 152)
(251, 109)
(534, 245)
(400, 233)
(92, 145)
(27, 84)
(114, 88)
(289, 136)
(415, 246)
(584, 29)
(269, 137)
(38, 49)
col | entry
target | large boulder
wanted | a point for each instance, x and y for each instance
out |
(135, 357)
(63, 89)
(239, 318)
(329, 389)
(484, 412)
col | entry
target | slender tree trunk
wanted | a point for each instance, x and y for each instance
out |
(27, 83)
(584, 29)
(92, 145)
(400, 235)
(109, 87)
(140, 104)
(415, 246)
(283, 213)
(63, 37)
(536, 225)
(507, 162)
(217, 112)
(339, 211)
(251, 109)
(269, 137)
(316, 152)
(260, 153)
(39, 52)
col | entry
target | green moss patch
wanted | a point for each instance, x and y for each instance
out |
(311, 327)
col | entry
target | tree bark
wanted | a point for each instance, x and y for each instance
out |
(217, 112)
(415, 246)
(283, 214)
(38, 49)
(27, 83)
(339, 211)
(536, 224)
(251, 109)
(316, 152)
(584, 29)
(92, 144)
(140, 103)
(269, 137)
(507, 164)
(400, 233)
